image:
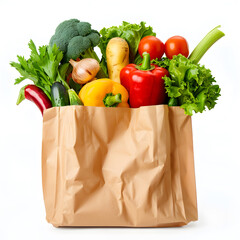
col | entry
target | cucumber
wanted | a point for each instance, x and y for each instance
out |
(73, 97)
(59, 95)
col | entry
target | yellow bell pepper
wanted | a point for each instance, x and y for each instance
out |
(104, 93)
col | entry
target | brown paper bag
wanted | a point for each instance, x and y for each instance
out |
(118, 167)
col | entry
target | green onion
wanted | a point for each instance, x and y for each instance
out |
(205, 44)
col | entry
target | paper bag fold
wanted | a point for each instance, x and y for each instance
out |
(118, 167)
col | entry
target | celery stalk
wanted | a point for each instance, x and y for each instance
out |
(205, 44)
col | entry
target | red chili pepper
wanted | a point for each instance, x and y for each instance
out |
(144, 83)
(36, 95)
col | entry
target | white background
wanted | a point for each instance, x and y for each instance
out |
(216, 133)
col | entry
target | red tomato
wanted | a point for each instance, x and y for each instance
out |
(176, 45)
(151, 45)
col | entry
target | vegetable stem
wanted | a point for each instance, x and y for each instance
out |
(111, 100)
(89, 53)
(146, 61)
(214, 35)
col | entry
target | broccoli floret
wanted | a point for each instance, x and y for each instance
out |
(84, 28)
(76, 39)
(76, 46)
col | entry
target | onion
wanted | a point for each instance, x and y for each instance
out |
(85, 70)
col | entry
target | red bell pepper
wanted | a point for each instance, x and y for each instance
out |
(144, 83)
(36, 95)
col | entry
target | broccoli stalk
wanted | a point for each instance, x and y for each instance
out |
(89, 53)
(77, 40)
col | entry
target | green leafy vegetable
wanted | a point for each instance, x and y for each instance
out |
(132, 33)
(190, 85)
(163, 62)
(42, 68)
(138, 59)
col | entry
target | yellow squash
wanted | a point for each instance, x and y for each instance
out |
(104, 93)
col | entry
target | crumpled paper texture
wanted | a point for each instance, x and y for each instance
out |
(118, 167)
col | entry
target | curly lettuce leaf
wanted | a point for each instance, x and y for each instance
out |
(191, 84)
(163, 62)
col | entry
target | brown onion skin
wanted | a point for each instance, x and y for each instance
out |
(84, 70)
